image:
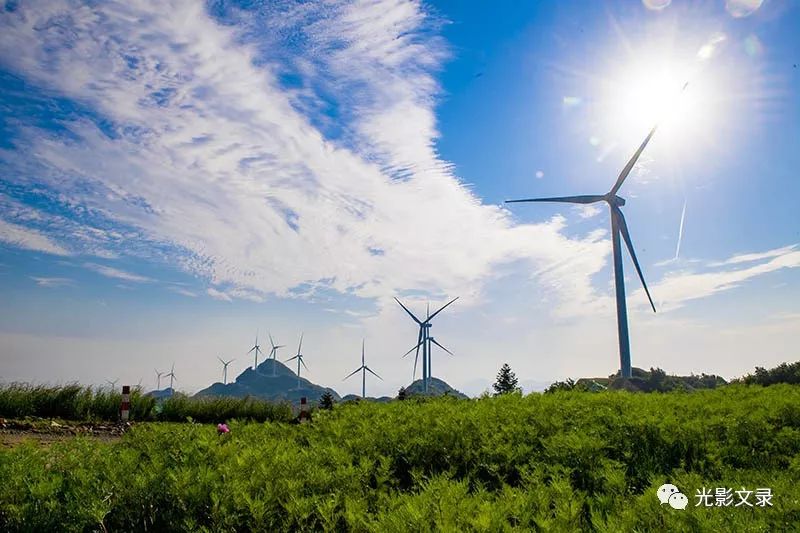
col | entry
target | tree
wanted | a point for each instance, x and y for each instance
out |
(506, 381)
(401, 394)
(326, 401)
(569, 384)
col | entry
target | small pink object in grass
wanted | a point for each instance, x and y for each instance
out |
(222, 428)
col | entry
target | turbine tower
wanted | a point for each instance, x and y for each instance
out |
(171, 376)
(424, 340)
(618, 227)
(158, 379)
(363, 369)
(257, 349)
(225, 369)
(299, 358)
(273, 353)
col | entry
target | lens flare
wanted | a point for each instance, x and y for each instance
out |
(656, 5)
(742, 8)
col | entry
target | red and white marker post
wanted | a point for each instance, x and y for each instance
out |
(304, 416)
(125, 409)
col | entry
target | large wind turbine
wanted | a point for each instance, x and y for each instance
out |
(158, 379)
(424, 340)
(299, 358)
(225, 369)
(363, 369)
(273, 353)
(171, 376)
(618, 227)
(257, 349)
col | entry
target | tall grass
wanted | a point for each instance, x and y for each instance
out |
(568, 461)
(76, 402)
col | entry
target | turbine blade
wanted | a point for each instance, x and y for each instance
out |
(221, 361)
(407, 311)
(299, 346)
(414, 348)
(368, 369)
(352, 373)
(441, 309)
(440, 346)
(582, 199)
(271, 342)
(304, 364)
(627, 169)
(251, 349)
(291, 358)
(416, 358)
(623, 228)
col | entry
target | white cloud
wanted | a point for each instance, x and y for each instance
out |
(182, 291)
(53, 282)
(676, 288)
(218, 295)
(29, 239)
(231, 173)
(115, 273)
(587, 211)
(751, 257)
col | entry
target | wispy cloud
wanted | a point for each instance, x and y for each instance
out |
(29, 239)
(752, 257)
(115, 273)
(218, 295)
(53, 282)
(182, 291)
(215, 165)
(677, 288)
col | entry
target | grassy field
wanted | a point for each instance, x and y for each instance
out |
(570, 461)
(75, 402)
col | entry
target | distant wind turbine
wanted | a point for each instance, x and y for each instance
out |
(225, 369)
(363, 369)
(618, 227)
(171, 376)
(257, 349)
(424, 341)
(158, 379)
(113, 384)
(299, 358)
(273, 353)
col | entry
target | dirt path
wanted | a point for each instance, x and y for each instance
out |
(14, 432)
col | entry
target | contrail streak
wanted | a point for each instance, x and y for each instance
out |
(680, 231)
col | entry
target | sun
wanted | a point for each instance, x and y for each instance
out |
(677, 98)
(677, 92)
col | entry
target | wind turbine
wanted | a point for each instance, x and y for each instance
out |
(158, 379)
(113, 384)
(225, 369)
(425, 340)
(299, 358)
(618, 227)
(273, 353)
(171, 376)
(257, 349)
(363, 369)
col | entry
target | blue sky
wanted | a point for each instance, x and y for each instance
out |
(175, 179)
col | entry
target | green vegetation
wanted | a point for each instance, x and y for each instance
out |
(654, 380)
(75, 402)
(566, 461)
(783, 373)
